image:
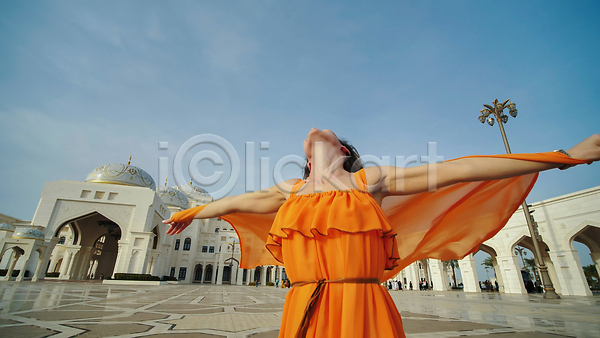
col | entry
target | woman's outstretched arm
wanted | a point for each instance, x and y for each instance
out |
(404, 181)
(259, 202)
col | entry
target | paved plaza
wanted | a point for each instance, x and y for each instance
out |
(86, 309)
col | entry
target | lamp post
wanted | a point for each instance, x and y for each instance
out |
(232, 247)
(487, 115)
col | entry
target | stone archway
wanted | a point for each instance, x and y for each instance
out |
(14, 256)
(529, 276)
(90, 247)
(589, 235)
(488, 254)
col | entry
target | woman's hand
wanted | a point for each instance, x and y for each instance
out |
(176, 228)
(588, 149)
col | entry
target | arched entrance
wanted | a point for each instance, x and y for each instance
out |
(208, 274)
(90, 247)
(589, 236)
(529, 274)
(12, 257)
(488, 269)
(230, 271)
(198, 273)
(226, 275)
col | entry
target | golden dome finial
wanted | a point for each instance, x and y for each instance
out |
(191, 181)
(166, 181)
(129, 161)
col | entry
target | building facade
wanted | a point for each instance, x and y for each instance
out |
(112, 223)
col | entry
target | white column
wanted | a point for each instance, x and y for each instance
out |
(498, 275)
(413, 276)
(122, 261)
(250, 276)
(240, 276)
(271, 274)
(71, 261)
(280, 273)
(570, 274)
(468, 269)
(66, 262)
(11, 267)
(438, 275)
(220, 275)
(38, 269)
(215, 267)
(84, 264)
(204, 266)
(552, 272)
(26, 258)
(510, 270)
(263, 275)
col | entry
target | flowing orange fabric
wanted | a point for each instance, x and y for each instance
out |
(346, 234)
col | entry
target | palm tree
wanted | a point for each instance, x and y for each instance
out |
(454, 265)
(591, 274)
(488, 262)
(530, 263)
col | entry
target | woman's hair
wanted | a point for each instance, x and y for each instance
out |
(352, 164)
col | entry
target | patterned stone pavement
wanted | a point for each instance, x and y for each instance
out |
(83, 309)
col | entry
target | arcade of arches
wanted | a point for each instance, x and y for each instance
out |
(561, 221)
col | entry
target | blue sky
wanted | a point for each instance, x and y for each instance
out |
(83, 84)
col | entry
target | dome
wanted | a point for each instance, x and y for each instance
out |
(118, 173)
(192, 191)
(29, 233)
(6, 227)
(173, 197)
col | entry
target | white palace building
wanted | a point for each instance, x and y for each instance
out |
(112, 223)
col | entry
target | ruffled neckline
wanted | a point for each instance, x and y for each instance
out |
(317, 214)
(329, 192)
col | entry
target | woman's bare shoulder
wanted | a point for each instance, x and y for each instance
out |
(286, 186)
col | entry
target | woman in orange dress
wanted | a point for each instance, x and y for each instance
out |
(344, 229)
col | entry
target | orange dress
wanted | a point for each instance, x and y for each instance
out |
(332, 236)
(346, 235)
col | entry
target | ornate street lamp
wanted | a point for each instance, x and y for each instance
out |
(487, 115)
(231, 246)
